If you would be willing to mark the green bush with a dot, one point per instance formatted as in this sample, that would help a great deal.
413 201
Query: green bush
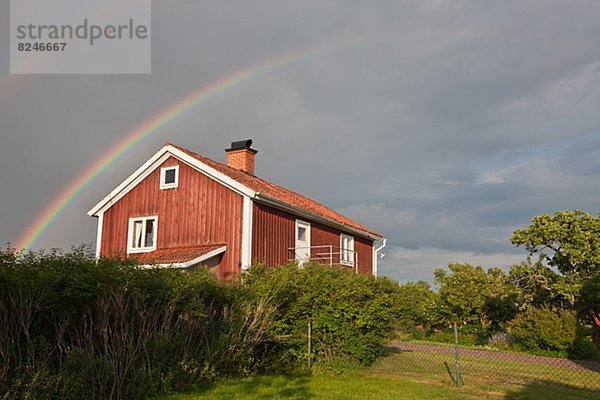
76 327
544 330
417 305
352 315
583 348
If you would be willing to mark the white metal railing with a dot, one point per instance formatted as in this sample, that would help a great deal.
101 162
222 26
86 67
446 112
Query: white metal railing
324 254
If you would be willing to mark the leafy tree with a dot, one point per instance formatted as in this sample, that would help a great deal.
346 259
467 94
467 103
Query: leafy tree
570 242
416 304
567 240
480 299
537 285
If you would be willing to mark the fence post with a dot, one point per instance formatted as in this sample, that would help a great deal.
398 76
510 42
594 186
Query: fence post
309 346
456 355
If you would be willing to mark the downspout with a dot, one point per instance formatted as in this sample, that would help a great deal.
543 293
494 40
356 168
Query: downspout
377 254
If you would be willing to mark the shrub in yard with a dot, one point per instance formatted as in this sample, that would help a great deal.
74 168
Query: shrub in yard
588 307
416 305
583 348
544 330
352 314
75 327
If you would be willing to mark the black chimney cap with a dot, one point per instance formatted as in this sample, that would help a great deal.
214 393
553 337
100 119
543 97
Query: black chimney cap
242 145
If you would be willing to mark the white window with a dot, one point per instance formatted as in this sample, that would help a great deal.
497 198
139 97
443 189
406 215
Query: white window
346 249
141 235
169 177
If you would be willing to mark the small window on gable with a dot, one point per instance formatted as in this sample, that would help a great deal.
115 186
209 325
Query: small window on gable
346 250
169 177
141 236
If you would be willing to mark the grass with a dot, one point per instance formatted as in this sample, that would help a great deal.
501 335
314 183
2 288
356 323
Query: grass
324 386
363 385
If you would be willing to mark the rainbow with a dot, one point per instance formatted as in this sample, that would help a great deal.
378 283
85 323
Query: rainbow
41 223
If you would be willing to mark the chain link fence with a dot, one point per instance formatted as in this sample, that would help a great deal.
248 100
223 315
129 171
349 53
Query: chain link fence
458 365
473 366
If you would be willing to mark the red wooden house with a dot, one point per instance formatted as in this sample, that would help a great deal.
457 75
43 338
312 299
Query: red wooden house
182 210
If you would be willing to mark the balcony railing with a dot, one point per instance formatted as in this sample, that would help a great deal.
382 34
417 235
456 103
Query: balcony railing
326 255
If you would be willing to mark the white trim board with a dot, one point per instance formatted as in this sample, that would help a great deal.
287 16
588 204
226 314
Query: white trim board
247 219
99 234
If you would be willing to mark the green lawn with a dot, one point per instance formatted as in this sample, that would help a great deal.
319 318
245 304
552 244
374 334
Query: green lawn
366 385
321 386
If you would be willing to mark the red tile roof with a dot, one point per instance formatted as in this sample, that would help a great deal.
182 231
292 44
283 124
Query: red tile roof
278 192
174 255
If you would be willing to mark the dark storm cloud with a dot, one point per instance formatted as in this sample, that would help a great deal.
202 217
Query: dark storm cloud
444 125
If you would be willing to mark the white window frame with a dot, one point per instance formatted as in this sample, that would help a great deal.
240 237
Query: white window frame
130 233
347 254
163 175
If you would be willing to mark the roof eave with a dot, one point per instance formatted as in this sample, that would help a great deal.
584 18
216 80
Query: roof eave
268 200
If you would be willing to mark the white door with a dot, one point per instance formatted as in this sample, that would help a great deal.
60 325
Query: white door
302 241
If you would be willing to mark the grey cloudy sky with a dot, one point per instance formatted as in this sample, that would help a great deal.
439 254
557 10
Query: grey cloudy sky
444 125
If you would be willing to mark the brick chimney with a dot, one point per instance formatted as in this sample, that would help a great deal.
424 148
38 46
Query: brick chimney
241 156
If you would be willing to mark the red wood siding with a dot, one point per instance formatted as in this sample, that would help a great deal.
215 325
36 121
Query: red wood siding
274 233
364 247
199 211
